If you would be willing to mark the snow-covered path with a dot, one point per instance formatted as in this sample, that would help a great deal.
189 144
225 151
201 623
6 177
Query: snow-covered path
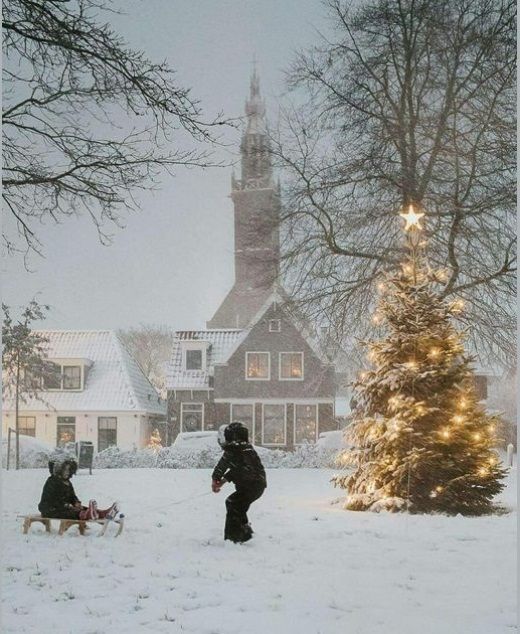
311 569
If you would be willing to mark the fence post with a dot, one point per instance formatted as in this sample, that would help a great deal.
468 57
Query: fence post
8 446
510 451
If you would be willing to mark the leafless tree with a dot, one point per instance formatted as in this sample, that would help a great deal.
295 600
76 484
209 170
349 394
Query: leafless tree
87 120
151 347
408 102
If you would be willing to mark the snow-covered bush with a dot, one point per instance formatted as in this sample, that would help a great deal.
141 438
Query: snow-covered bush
116 458
34 453
194 450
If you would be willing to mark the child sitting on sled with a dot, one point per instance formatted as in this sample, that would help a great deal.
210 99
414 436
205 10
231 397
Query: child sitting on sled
59 499
241 465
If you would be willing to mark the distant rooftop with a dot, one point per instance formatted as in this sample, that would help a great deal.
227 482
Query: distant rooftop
115 382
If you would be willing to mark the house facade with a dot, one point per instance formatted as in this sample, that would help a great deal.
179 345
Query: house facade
94 391
256 361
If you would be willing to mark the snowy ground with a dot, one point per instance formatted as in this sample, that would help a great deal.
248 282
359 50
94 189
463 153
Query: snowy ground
312 567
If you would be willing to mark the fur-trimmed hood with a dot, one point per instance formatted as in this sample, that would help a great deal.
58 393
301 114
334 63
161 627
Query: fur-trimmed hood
56 466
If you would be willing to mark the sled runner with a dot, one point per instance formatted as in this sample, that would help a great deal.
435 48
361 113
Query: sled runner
65 524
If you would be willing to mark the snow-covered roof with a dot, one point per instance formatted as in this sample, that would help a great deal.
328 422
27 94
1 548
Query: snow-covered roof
220 343
114 380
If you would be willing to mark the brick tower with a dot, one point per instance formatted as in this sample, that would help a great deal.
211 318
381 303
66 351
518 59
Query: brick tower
256 201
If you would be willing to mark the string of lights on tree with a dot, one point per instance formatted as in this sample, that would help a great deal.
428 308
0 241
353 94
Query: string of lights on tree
420 440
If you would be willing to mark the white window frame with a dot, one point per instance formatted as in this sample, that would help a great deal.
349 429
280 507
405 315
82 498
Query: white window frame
231 419
256 378
201 369
71 389
278 323
194 345
316 405
62 387
275 444
299 378
99 418
24 427
183 405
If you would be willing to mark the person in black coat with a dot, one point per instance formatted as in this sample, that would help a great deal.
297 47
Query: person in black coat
59 500
241 465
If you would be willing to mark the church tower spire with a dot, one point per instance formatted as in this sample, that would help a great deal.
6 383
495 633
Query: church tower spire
256 200
254 148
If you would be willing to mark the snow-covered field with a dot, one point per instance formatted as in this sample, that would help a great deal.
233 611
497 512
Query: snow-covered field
312 568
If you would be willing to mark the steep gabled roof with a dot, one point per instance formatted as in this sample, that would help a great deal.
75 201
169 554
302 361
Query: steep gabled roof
279 296
219 341
114 381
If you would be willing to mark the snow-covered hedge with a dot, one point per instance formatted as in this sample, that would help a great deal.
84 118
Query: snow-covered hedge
306 456
34 453
191 451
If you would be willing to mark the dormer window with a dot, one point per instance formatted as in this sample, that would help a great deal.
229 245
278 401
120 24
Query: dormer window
52 376
195 355
275 325
72 377
193 359
65 374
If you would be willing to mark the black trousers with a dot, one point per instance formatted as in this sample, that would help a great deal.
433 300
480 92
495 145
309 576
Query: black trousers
237 505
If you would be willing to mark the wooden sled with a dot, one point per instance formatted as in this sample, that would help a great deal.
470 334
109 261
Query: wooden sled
65 524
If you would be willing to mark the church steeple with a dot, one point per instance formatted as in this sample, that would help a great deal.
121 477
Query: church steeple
254 148
256 200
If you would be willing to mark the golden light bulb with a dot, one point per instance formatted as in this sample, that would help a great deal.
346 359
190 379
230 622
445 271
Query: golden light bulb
482 471
363 375
439 489
491 428
458 419
477 436
458 305
381 286
492 461
463 403
445 433
434 353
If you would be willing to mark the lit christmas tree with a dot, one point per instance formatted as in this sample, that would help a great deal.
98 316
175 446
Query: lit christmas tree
155 442
420 440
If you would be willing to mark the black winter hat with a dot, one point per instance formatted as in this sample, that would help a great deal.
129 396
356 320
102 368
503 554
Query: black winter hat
237 432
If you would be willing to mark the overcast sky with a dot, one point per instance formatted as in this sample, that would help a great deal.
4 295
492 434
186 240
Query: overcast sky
173 263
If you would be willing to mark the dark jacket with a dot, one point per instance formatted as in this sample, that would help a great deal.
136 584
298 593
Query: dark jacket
57 494
241 464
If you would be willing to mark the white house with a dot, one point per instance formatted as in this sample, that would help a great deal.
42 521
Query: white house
94 392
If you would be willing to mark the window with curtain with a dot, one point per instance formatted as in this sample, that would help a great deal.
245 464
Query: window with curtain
71 377
244 413
273 432
305 423
66 430
291 366
257 365
107 432
27 425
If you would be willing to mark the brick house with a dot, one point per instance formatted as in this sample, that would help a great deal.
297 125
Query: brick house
256 361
